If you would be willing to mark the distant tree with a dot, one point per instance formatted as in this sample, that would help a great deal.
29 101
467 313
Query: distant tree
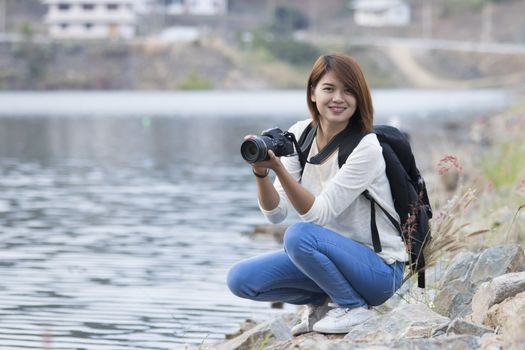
287 20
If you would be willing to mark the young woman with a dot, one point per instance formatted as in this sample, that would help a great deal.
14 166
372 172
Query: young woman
328 262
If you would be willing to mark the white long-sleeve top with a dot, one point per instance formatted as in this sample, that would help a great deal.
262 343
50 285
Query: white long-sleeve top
339 205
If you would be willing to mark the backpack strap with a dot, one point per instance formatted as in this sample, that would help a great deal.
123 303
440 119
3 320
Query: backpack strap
347 140
373 226
353 137
346 149
305 143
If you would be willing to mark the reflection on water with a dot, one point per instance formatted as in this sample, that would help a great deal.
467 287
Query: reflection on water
117 233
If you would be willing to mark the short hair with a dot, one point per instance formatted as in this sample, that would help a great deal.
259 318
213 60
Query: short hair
349 72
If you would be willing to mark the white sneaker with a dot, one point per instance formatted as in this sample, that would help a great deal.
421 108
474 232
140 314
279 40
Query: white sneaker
310 316
341 319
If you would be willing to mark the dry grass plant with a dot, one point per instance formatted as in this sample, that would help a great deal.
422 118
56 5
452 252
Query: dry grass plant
484 213
450 233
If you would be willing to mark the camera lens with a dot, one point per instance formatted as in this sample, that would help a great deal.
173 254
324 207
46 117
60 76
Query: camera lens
253 150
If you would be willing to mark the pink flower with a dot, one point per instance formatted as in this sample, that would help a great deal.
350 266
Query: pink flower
448 163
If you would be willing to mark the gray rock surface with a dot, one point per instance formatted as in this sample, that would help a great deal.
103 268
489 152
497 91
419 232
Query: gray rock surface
262 335
492 280
269 230
460 327
494 292
406 321
469 270
509 318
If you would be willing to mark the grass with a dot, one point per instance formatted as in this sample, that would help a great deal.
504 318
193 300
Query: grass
486 208
504 164
195 81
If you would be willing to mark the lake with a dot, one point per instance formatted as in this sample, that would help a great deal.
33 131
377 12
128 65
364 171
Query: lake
121 212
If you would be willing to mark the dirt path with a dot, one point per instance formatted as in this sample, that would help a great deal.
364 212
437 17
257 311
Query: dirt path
405 60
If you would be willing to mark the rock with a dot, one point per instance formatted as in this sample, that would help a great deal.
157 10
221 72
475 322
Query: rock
491 342
311 341
462 327
245 326
494 292
514 334
406 321
319 342
454 299
469 270
497 261
269 230
509 317
461 342
262 335
460 267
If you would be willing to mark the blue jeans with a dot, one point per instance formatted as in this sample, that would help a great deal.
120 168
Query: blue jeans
317 263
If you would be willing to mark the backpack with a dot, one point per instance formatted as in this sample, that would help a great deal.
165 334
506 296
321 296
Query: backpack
406 183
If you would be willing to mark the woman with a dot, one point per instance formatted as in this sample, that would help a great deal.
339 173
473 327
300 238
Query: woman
329 255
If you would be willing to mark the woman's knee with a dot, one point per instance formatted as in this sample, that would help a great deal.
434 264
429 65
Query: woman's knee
237 279
297 236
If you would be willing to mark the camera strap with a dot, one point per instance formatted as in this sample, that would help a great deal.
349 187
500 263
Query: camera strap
290 136
330 147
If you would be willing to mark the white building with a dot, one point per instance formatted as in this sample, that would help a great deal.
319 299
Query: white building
197 7
91 19
381 13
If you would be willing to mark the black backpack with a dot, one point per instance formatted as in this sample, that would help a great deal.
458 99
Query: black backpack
406 183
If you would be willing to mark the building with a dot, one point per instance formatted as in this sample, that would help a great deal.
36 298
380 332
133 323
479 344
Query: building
381 13
197 7
91 19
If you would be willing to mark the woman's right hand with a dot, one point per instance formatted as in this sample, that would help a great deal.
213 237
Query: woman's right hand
273 163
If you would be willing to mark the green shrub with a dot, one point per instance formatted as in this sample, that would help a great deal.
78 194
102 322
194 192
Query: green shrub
504 164
287 20
292 51
195 81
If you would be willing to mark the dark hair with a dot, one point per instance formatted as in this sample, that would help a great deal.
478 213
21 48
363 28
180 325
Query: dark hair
349 72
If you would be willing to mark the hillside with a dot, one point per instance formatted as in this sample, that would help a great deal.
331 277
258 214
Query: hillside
220 60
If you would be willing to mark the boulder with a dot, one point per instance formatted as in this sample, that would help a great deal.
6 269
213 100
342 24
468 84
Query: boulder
262 335
491 342
497 261
461 342
470 270
494 292
319 342
269 231
406 321
462 327
311 341
509 317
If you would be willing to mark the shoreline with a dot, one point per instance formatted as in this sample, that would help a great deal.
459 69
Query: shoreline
393 105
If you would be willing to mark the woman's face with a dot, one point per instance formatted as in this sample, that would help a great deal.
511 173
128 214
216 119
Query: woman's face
335 103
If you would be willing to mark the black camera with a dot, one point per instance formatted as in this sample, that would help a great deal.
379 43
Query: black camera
256 149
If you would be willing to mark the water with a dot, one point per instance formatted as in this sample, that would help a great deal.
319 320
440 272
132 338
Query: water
117 229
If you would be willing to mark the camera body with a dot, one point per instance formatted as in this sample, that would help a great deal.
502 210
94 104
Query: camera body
256 149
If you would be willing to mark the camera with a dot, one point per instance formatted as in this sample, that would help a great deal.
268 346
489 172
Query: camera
256 149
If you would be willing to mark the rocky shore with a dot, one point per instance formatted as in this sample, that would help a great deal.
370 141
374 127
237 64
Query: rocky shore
478 303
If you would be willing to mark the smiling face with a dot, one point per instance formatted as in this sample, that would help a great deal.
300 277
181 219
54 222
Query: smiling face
337 90
334 101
